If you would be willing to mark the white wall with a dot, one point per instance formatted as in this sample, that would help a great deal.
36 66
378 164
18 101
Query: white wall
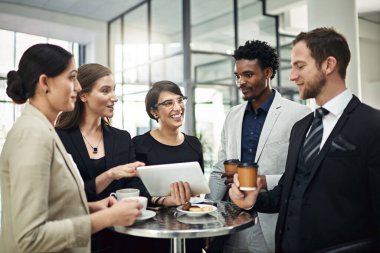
55 25
369 43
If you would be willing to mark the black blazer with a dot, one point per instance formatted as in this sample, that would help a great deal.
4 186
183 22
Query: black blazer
118 150
341 203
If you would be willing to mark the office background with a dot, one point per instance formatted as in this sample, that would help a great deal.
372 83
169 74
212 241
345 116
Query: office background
189 42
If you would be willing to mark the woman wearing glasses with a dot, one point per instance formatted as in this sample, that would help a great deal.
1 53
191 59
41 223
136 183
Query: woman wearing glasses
165 103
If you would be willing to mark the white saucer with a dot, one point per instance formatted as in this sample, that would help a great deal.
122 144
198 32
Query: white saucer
197 214
147 214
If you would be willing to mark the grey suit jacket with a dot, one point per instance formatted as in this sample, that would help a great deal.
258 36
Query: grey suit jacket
271 150
44 207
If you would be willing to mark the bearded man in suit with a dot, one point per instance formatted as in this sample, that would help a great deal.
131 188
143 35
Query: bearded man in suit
257 130
328 197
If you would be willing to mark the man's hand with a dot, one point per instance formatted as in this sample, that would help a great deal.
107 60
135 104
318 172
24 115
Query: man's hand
263 180
244 199
229 177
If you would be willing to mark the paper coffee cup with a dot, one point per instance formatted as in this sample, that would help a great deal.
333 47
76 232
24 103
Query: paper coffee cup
125 193
231 165
247 175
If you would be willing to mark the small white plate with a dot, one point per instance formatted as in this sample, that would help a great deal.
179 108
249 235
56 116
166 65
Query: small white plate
197 214
147 214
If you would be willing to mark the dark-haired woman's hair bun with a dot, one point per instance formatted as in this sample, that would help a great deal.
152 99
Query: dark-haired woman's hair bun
15 89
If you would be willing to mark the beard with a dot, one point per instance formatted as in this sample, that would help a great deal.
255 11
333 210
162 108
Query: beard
313 89
254 97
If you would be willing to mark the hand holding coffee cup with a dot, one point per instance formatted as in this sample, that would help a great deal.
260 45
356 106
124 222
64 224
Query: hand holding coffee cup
143 201
247 175
125 193
125 212
243 199
230 168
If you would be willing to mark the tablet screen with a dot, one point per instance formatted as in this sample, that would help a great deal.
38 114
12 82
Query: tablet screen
157 178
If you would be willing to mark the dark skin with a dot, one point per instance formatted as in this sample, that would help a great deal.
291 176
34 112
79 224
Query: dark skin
251 80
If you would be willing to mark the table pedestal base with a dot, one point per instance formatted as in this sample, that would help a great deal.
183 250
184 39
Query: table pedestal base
178 245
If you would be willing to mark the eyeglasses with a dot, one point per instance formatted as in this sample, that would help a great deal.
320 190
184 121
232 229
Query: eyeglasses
169 104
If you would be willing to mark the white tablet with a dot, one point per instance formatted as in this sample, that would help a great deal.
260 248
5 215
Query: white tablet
157 178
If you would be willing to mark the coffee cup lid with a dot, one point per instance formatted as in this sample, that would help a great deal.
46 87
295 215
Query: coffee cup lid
231 161
248 165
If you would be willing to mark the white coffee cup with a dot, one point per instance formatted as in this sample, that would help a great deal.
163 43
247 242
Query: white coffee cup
125 193
142 200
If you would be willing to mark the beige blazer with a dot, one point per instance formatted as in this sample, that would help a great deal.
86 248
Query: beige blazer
44 207
271 152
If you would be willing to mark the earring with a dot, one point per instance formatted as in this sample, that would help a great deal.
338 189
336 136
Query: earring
267 81
47 91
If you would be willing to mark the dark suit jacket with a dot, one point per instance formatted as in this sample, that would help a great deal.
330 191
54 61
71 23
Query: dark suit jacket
341 203
118 150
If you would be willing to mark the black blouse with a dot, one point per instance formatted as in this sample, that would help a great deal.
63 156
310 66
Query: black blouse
152 152
118 150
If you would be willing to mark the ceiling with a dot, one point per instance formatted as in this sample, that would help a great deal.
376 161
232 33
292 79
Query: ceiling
109 9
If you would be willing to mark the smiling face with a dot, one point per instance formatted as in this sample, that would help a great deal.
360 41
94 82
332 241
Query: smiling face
251 79
63 89
170 110
305 73
102 98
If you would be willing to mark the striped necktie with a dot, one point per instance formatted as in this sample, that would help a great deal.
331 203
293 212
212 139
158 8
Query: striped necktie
313 140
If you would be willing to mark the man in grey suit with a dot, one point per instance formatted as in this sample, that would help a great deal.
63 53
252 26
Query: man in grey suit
256 131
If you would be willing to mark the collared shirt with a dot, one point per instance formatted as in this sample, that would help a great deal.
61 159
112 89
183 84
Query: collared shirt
336 107
253 123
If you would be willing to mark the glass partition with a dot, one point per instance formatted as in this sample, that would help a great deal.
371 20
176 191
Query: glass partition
168 69
153 50
15 45
212 31
166 28
7 61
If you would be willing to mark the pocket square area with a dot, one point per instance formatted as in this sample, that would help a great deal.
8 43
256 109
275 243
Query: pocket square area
342 144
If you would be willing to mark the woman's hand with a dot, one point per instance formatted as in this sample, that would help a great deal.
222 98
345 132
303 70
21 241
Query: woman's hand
117 213
125 170
179 194
125 212
101 204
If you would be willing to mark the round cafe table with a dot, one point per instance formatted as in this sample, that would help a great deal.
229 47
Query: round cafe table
170 223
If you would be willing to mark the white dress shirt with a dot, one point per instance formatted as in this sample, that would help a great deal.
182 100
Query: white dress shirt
336 107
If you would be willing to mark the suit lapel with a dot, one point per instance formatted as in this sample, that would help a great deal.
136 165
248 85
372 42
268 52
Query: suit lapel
295 146
29 109
109 141
69 162
336 130
236 133
77 139
273 113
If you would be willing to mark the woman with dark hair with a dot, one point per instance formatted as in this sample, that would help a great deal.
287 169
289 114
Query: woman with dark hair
104 155
165 103
44 206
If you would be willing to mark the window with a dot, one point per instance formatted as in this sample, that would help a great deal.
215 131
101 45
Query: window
15 45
